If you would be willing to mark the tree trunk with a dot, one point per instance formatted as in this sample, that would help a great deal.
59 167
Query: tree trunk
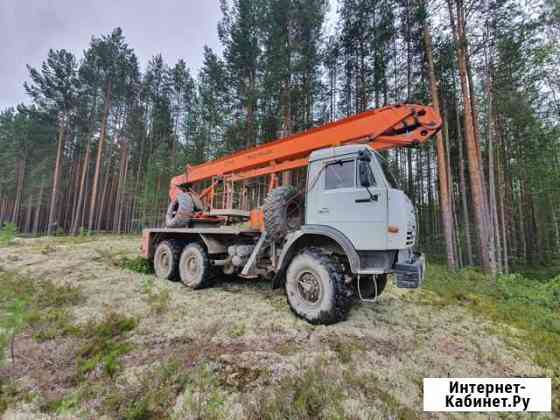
477 190
99 155
446 214
56 176
463 184
79 206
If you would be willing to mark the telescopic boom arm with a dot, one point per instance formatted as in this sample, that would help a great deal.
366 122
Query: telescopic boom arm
383 129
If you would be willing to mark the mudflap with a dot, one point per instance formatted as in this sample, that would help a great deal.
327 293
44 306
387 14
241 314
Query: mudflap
410 275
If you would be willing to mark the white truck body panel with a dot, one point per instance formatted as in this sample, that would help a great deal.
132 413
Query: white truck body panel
348 208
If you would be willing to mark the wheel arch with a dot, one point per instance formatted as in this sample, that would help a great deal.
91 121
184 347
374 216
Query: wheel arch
315 235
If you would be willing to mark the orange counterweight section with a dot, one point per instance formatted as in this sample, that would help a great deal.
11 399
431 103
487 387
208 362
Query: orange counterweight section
383 128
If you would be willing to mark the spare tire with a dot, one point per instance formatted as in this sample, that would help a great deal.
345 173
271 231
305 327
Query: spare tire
283 211
180 211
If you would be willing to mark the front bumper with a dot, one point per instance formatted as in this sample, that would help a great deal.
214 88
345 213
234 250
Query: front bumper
410 274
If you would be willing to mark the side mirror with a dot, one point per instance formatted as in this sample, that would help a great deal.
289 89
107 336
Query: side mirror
363 172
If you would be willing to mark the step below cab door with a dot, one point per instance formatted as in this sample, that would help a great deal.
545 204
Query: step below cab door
335 198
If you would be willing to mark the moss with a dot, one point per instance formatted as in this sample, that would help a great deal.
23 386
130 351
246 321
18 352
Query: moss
345 347
530 305
238 330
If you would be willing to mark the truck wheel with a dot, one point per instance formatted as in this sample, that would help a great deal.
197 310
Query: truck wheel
194 267
179 211
316 290
282 212
166 260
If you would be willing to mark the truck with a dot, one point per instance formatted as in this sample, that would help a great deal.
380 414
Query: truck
329 239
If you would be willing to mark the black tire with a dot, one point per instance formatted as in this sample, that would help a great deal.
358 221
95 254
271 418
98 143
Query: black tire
194 267
278 217
316 289
180 211
367 287
166 260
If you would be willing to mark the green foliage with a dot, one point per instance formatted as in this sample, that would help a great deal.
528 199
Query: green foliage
371 385
531 306
40 305
158 390
8 394
7 233
310 395
158 300
202 395
137 264
12 322
345 347
105 343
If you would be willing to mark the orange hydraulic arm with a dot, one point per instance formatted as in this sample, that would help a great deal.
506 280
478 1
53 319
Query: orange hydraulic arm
383 128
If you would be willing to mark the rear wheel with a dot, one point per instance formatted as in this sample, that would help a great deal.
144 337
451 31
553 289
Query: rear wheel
194 267
315 288
166 260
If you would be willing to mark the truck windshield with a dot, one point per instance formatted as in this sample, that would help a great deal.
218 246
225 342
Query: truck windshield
388 171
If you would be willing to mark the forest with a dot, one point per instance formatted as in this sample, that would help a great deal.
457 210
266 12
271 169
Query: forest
96 145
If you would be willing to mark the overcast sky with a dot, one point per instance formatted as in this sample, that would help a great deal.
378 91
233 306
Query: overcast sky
28 28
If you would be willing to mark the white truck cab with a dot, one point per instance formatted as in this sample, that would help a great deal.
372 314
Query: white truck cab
348 190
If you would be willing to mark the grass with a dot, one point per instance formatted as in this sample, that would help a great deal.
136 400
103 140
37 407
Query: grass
7 234
105 343
40 305
137 264
42 309
345 347
530 305
158 300
370 385
156 394
310 395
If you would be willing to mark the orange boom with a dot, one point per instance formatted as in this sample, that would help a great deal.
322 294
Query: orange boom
383 128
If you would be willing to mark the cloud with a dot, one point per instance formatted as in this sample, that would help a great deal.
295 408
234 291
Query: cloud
29 28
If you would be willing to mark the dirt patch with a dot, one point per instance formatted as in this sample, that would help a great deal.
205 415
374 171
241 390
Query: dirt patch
46 368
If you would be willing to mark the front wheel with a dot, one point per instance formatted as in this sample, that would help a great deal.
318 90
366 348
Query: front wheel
194 266
316 289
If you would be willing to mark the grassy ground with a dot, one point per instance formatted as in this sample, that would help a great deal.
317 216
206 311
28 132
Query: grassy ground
93 333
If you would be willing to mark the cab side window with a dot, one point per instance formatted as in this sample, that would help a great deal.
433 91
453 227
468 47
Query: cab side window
340 174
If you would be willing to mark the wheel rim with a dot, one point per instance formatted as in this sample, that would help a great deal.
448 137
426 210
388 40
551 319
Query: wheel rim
191 268
309 288
163 262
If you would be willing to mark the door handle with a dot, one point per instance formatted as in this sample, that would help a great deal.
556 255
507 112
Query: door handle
374 197
323 210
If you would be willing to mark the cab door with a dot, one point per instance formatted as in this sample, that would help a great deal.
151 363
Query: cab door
338 201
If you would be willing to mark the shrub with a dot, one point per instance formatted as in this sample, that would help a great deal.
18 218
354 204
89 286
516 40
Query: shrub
7 233
138 264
